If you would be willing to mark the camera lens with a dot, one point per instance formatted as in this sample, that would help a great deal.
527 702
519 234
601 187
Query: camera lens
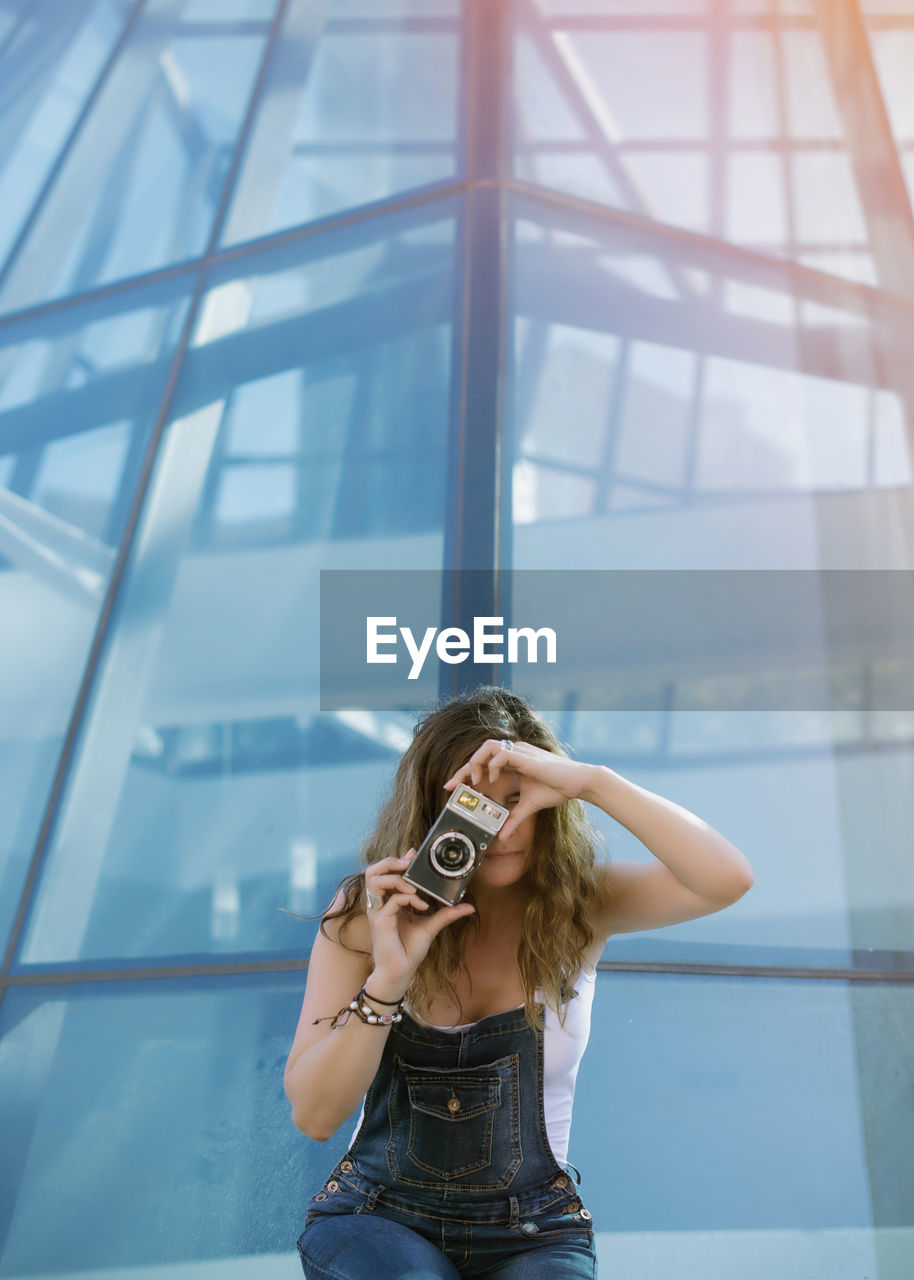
452 854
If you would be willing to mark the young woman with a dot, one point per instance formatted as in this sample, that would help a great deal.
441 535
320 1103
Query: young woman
461 1029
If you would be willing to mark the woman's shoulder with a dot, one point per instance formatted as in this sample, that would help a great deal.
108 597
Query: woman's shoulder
347 928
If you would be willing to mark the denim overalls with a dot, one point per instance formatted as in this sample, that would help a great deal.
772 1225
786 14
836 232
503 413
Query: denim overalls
452 1145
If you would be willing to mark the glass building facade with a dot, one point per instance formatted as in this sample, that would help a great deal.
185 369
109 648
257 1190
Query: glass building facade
289 285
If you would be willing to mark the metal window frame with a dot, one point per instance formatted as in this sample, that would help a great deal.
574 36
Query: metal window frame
478 525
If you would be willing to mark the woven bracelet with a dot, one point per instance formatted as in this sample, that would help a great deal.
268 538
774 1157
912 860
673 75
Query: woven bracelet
363 1012
367 1014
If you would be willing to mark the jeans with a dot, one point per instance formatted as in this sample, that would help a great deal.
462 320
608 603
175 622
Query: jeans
355 1243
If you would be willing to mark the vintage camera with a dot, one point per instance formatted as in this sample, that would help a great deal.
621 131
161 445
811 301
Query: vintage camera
456 845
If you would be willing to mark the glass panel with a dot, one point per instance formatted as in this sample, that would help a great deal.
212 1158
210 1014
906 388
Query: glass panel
228 10
879 8
11 13
142 182
670 8
48 68
171 1095
78 398
699 396
820 803
746 142
715 416
309 431
400 8
358 110
764 1137
892 44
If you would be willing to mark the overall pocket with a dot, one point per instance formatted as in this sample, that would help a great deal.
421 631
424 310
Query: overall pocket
455 1126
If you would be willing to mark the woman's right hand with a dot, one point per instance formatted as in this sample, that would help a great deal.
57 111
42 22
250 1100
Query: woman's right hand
400 940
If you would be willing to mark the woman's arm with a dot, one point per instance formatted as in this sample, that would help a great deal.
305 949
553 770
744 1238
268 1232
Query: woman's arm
697 870
329 1068
328 1071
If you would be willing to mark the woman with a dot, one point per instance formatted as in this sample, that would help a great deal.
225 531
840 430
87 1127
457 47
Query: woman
462 1028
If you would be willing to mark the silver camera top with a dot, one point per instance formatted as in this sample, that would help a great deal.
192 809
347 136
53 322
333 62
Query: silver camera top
478 808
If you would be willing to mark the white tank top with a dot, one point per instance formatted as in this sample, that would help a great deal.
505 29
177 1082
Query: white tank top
563 1048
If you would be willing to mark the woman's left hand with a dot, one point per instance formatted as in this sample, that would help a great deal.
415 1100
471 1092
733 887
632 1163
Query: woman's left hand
545 779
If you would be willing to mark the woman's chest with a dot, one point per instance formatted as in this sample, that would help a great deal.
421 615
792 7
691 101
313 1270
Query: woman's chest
490 984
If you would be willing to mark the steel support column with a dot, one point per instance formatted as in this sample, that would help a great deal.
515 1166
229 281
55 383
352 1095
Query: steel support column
470 583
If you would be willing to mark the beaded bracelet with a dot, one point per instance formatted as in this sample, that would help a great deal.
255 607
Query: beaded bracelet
367 1014
364 1012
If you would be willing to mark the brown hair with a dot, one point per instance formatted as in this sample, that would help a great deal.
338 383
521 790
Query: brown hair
555 930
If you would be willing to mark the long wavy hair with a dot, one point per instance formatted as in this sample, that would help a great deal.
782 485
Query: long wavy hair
560 881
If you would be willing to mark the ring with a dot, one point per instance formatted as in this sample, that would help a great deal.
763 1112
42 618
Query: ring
506 744
374 902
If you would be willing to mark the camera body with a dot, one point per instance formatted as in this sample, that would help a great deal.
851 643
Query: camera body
452 851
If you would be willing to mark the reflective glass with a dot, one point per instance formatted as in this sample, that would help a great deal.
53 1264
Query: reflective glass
152 1118
671 401
892 44
768 1141
668 8
141 182
765 8
11 12
698 394
828 841
228 10
718 119
398 9
355 110
49 64
309 431
715 417
78 398
747 1126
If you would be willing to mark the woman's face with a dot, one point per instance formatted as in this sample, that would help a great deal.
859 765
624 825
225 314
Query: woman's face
505 863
